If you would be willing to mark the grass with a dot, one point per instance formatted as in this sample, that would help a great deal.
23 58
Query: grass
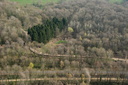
115 1
61 41
24 2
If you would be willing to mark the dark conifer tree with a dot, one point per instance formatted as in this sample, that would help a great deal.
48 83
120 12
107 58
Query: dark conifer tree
47 30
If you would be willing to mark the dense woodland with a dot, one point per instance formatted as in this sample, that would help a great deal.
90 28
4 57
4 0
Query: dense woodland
85 28
97 24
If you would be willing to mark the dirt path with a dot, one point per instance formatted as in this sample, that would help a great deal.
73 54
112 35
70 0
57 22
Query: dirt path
40 53
120 59
60 79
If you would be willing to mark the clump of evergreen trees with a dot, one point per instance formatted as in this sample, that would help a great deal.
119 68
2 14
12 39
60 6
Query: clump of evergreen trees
47 30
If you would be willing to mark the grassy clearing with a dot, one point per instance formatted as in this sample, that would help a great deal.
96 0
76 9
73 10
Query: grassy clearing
23 2
61 41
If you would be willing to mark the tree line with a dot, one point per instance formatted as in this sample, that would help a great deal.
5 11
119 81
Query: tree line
42 33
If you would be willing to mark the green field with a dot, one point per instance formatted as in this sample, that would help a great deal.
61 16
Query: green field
23 2
115 1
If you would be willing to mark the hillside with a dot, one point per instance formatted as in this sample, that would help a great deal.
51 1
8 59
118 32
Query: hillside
61 38
98 27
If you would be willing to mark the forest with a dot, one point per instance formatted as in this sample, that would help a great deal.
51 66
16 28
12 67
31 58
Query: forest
48 30
69 41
